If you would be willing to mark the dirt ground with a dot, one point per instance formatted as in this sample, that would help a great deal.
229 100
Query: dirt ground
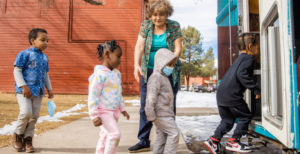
10 110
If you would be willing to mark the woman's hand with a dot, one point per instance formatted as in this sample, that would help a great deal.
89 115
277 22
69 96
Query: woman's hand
139 50
125 114
137 72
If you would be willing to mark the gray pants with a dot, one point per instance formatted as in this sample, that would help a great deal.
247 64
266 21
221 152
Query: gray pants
167 136
29 114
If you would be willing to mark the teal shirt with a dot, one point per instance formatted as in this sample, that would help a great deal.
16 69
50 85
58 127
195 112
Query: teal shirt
173 32
158 42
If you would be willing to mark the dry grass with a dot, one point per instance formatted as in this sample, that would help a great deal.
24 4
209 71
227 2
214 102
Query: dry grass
10 111
131 97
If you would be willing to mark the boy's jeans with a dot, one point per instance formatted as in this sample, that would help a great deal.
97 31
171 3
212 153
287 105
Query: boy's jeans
29 114
110 132
167 136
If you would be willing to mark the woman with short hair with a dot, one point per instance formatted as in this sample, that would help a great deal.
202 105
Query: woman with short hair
156 33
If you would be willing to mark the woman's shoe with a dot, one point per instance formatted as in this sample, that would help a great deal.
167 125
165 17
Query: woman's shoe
139 148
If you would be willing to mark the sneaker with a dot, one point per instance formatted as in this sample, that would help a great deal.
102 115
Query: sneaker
139 148
212 145
236 146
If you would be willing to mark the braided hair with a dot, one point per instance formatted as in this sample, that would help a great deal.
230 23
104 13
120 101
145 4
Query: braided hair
247 38
108 45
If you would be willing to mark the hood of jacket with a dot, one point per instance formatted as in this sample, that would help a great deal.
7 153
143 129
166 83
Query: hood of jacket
100 69
162 58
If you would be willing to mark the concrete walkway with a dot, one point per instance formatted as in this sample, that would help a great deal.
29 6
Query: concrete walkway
80 137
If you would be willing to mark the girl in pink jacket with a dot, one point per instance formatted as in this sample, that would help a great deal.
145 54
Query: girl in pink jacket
105 101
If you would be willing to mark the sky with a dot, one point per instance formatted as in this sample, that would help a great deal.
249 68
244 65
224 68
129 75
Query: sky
200 14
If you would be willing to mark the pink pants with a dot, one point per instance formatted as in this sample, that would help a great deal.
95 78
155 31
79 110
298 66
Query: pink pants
110 132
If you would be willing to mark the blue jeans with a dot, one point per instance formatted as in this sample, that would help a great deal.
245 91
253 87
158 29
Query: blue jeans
145 126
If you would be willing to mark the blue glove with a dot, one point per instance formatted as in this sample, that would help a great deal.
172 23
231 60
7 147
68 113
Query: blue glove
51 108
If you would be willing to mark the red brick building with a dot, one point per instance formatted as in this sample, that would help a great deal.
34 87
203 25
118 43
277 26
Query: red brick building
204 81
75 27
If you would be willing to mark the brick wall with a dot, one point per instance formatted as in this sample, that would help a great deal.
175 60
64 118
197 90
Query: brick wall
74 28
198 80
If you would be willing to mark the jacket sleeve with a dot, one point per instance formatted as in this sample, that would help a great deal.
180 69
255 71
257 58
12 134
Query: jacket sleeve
47 82
19 77
177 30
153 87
142 29
245 76
122 103
96 83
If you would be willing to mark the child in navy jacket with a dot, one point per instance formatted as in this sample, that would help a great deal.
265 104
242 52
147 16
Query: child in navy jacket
231 104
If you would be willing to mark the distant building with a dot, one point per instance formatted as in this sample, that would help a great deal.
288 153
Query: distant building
75 28
204 81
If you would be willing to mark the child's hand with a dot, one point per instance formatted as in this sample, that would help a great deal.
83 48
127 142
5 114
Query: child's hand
97 122
125 114
50 94
26 91
257 96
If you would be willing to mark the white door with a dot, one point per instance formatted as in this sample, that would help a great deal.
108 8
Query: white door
275 69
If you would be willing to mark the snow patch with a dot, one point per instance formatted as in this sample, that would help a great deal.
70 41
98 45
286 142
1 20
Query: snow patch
133 102
9 128
186 99
198 128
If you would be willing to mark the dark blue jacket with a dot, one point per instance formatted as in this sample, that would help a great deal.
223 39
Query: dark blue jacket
237 79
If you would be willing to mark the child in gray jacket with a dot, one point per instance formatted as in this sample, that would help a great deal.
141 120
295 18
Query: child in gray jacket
159 103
